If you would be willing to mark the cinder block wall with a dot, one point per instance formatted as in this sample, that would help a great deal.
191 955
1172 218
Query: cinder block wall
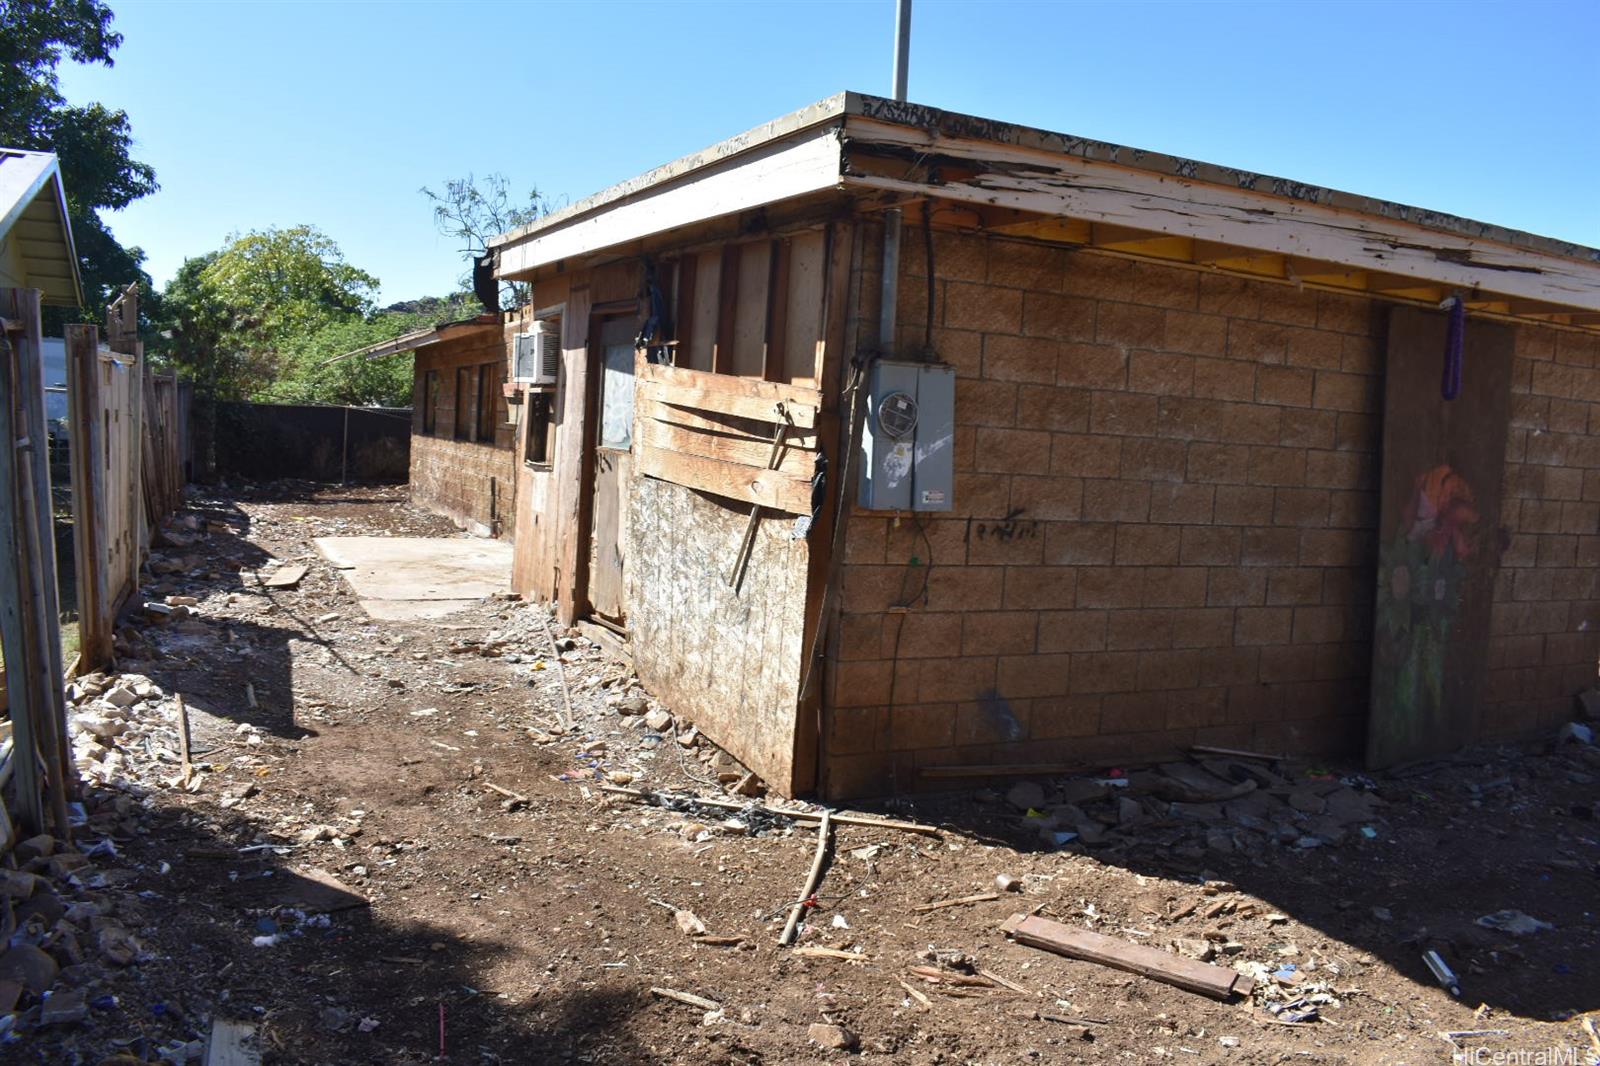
1546 616
471 482
1165 526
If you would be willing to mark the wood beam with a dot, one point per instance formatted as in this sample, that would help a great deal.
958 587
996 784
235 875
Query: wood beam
1054 183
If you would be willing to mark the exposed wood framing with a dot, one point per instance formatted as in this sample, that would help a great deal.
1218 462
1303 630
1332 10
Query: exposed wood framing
1164 216
90 538
32 637
571 445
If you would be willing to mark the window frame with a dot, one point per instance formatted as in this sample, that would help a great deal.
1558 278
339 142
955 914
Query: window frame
485 418
463 420
430 402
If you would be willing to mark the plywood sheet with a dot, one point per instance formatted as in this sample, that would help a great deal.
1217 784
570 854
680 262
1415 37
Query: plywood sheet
1438 539
727 660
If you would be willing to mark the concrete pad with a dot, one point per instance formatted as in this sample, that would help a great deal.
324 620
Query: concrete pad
401 579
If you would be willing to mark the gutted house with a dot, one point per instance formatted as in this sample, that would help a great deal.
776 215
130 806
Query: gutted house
901 444
462 462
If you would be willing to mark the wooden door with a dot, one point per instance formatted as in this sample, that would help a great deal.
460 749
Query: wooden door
612 465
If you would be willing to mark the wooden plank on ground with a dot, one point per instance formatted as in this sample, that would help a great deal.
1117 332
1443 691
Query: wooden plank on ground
1217 982
232 1044
286 577
773 489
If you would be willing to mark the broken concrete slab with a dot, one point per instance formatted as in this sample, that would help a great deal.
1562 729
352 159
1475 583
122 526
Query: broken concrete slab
419 578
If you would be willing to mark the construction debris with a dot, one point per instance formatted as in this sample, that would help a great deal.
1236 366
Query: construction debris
1214 981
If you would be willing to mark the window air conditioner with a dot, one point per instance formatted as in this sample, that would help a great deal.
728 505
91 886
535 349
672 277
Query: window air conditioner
539 353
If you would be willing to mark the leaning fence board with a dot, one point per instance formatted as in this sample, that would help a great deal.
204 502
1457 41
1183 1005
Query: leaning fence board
1204 978
772 489
13 629
89 497
29 611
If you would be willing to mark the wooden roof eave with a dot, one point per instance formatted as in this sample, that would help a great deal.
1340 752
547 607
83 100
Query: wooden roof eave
798 165
37 215
1174 217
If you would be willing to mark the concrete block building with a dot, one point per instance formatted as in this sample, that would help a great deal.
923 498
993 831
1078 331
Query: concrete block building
1228 459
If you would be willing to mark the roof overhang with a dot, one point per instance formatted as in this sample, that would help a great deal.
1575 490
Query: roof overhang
35 231
422 338
1055 187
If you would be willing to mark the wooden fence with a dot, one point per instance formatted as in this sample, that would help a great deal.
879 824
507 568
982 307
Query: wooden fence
128 473
37 759
126 427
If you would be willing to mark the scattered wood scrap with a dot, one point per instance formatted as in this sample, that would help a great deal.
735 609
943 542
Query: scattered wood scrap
1006 982
686 998
813 878
914 994
668 800
811 952
183 737
935 976
1217 982
286 577
232 1044
961 901
513 799
1234 753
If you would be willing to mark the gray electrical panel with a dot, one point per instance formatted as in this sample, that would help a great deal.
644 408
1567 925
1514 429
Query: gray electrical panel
908 447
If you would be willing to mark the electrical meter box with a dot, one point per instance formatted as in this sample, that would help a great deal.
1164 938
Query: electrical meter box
908 446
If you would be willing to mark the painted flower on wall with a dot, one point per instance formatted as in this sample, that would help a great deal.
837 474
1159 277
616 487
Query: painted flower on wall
1441 514
1421 573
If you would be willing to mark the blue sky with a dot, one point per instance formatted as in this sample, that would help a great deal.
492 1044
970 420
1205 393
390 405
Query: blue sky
335 114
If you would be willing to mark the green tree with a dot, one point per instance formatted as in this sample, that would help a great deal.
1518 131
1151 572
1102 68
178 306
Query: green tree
312 371
233 318
92 141
473 211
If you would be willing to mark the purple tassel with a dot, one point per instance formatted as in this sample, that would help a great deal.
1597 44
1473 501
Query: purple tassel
1455 342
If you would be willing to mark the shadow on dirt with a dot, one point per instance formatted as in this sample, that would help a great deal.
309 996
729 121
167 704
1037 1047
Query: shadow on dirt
1487 831
324 979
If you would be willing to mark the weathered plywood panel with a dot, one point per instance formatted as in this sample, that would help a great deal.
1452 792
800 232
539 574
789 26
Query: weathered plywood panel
728 661
1443 465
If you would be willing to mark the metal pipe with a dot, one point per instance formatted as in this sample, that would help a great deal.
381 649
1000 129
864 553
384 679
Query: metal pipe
890 292
902 46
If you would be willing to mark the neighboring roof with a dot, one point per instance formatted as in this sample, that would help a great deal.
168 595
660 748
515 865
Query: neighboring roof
36 247
900 150
421 338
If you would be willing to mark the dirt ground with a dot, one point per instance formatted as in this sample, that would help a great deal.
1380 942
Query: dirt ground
498 931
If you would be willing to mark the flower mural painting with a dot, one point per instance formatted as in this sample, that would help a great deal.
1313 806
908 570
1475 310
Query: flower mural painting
1421 571
1441 513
